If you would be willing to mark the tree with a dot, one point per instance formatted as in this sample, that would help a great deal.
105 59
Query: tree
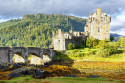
71 46
122 42
111 38
91 42
101 43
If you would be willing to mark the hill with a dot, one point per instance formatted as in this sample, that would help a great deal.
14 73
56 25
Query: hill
36 30
116 36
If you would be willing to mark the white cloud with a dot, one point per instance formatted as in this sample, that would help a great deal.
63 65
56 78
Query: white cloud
120 32
4 20
118 23
82 8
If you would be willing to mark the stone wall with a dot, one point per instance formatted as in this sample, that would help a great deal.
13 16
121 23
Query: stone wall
4 53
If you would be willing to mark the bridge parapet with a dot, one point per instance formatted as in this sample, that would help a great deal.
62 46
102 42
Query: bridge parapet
7 53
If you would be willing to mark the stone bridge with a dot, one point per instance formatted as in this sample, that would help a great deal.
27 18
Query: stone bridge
7 53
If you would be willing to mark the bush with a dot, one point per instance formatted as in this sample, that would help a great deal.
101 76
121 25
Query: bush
122 42
80 46
103 52
71 46
108 49
93 52
74 51
91 42
101 43
61 56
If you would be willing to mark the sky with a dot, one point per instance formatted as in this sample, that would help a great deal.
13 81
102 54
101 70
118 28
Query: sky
10 9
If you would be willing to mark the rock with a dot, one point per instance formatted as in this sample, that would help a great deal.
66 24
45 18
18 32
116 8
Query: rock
93 76
4 66
17 65
35 72
14 66
40 73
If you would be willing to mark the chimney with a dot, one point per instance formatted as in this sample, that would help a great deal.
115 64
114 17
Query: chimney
98 12
59 30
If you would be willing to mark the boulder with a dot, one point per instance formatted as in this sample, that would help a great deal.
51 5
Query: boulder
34 72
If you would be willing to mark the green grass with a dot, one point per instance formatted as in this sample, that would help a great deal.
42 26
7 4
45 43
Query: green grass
18 80
85 50
88 54
29 79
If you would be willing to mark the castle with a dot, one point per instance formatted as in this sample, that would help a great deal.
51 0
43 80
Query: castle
97 25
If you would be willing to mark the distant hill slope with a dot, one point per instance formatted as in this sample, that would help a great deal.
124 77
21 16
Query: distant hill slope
36 30
116 36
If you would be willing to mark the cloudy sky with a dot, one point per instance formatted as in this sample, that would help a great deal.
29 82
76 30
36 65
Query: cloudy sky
115 8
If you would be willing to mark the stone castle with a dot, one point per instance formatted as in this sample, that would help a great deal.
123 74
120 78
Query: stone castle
97 25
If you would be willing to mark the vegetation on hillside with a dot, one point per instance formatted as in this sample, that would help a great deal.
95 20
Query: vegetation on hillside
36 30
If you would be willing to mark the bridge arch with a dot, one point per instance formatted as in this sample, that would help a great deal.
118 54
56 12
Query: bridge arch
34 58
18 58
46 58
17 54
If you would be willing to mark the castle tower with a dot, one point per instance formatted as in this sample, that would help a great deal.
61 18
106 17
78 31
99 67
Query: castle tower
98 25
59 40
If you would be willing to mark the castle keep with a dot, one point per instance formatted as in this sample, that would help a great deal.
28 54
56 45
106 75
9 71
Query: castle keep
97 25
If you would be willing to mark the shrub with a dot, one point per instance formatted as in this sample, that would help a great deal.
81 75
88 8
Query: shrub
107 49
80 46
74 51
122 42
93 52
103 52
91 42
101 43
71 46
61 56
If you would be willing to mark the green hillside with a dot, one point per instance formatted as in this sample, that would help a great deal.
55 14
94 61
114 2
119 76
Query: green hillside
36 30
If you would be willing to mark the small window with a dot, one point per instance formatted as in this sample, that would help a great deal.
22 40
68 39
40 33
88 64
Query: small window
98 29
